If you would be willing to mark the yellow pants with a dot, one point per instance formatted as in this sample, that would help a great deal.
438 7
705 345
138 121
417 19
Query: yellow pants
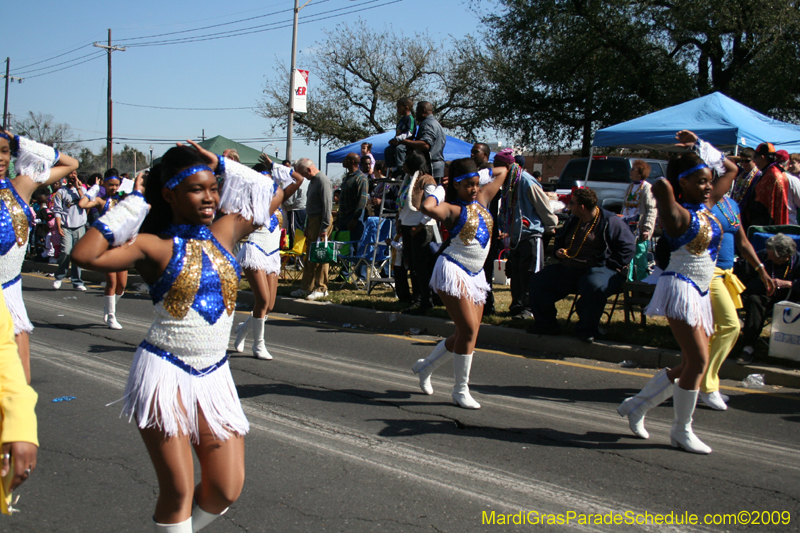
726 329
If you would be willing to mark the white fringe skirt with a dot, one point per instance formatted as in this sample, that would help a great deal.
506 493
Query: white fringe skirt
253 257
679 299
12 292
450 278
165 393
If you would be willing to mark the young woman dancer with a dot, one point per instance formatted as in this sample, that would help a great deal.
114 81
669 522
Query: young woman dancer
260 260
458 274
180 388
684 202
115 281
36 165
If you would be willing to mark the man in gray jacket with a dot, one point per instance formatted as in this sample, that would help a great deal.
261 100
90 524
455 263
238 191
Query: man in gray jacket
319 204
71 224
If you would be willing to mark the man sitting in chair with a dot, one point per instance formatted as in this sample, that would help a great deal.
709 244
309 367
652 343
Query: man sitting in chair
593 248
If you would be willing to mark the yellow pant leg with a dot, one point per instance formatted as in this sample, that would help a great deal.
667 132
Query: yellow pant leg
726 331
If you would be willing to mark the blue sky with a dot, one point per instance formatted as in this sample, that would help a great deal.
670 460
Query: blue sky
228 72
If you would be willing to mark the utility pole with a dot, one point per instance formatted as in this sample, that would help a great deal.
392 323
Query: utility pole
5 105
290 126
110 132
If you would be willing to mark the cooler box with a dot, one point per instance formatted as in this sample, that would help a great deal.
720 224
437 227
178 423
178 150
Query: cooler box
784 340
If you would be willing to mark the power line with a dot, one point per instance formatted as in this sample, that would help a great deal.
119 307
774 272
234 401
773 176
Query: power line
24 72
97 56
188 108
55 57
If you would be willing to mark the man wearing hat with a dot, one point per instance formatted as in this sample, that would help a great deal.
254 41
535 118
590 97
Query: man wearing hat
525 216
766 203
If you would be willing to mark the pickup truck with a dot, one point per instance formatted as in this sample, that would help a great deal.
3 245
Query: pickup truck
609 177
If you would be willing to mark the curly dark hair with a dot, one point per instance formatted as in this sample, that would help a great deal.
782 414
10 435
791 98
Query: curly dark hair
175 160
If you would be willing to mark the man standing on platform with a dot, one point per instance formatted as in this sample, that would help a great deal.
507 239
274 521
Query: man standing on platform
430 138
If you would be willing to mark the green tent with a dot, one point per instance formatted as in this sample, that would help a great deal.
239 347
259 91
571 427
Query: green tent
247 156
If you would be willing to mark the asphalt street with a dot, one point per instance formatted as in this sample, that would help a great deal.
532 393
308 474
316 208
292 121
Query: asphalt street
342 439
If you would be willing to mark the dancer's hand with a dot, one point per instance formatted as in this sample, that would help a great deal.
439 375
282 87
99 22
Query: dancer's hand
210 158
139 184
266 161
686 139
24 455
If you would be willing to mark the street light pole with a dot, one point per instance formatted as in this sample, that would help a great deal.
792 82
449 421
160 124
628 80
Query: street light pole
290 125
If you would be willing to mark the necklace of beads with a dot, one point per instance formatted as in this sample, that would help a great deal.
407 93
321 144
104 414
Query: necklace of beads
594 222
508 195
789 265
736 221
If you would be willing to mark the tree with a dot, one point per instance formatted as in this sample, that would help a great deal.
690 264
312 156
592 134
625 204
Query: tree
128 160
361 74
550 72
42 127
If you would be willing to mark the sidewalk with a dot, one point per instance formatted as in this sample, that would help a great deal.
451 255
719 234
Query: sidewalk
490 336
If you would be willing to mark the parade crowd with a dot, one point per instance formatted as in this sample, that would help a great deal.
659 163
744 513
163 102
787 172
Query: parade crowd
196 221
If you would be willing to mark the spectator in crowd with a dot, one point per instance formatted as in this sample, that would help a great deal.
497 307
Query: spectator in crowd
18 430
537 176
747 171
286 163
593 248
430 138
95 178
353 199
793 179
525 216
480 155
639 212
378 201
417 228
765 201
395 154
295 213
319 205
366 151
782 263
71 224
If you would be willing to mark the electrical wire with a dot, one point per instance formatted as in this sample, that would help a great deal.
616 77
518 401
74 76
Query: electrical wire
100 54
58 65
187 108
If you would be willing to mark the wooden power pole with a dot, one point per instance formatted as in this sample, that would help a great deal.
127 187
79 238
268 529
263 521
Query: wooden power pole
110 112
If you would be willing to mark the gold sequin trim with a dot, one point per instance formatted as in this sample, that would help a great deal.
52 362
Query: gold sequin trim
280 217
470 229
181 295
699 244
18 218
227 275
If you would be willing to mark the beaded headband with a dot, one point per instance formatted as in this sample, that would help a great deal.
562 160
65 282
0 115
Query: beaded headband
692 170
465 177
5 136
114 178
175 180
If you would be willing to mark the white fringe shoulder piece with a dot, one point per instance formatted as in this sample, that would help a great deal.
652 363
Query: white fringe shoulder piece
121 223
35 160
249 193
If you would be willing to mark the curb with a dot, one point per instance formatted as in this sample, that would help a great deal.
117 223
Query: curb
489 336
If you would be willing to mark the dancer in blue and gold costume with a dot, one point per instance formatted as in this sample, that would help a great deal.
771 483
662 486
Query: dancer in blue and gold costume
694 234
180 388
260 259
36 165
458 274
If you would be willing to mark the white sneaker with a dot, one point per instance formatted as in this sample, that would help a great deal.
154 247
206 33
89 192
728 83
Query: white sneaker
725 397
713 400
299 293
57 284
316 295
81 288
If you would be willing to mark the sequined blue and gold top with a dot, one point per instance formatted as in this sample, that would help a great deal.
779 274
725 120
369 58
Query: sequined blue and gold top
694 253
16 221
470 237
268 238
194 298
111 201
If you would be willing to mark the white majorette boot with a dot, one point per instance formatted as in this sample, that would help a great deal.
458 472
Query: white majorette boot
658 389
241 334
461 367
109 313
201 518
681 434
259 348
182 527
425 367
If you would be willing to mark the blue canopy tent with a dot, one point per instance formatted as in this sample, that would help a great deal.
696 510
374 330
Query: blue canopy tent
453 148
716 118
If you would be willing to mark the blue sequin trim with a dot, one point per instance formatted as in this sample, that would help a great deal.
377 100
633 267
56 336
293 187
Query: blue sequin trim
8 237
465 269
220 165
175 360
175 180
11 282
692 170
260 249
105 230
463 177
686 279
